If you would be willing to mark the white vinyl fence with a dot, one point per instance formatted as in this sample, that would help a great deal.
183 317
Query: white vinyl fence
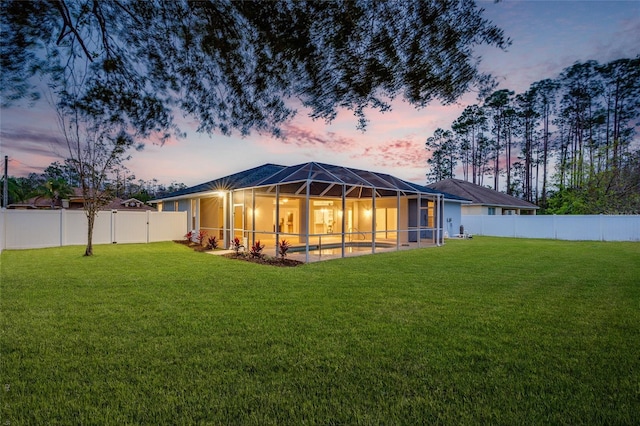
22 229
570 227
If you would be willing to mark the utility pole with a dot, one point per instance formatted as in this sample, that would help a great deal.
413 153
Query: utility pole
5 187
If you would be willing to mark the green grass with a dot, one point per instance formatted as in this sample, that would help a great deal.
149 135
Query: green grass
489 330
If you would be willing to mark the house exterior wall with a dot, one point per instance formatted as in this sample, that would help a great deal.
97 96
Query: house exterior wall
530 212
265 213
363 217
208 209
212 216
473 210
290 215
386 218
452 218
185 206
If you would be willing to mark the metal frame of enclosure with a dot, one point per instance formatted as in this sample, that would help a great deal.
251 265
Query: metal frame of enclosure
322 210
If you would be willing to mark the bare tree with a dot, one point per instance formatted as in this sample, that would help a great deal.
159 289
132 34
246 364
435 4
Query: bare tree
97 138
95 150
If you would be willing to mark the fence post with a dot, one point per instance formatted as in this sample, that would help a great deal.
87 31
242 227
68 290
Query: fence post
3 228
113 226
148 225
63 228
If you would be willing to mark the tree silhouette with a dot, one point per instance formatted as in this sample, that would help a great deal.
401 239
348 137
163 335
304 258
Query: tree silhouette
241 66
584 121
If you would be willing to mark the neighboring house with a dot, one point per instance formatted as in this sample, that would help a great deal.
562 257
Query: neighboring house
318 208
75 202
41 203
131 204
484 201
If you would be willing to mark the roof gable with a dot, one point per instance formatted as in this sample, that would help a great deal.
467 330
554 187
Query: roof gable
479 194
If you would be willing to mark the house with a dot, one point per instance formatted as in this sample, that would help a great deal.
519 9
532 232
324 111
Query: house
320 209
484 201
131 204
76 202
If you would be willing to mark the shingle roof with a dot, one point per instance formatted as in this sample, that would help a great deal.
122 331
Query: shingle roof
244 179
479 194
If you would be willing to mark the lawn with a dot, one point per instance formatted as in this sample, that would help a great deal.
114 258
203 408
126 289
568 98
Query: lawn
489 330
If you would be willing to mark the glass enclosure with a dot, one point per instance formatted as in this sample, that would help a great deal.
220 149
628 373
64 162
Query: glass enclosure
321 219
321 210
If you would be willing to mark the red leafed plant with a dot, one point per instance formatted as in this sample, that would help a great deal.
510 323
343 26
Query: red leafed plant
200 236
212 243
283 247
188 236
256 249
237 245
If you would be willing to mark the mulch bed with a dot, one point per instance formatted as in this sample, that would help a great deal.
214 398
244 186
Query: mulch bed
263 260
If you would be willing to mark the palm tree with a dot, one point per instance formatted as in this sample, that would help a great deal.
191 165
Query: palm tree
18 189
55 190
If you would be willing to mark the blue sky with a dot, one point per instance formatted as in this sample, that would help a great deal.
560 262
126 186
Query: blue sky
547 37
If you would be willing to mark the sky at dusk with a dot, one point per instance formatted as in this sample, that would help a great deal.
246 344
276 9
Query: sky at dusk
547 36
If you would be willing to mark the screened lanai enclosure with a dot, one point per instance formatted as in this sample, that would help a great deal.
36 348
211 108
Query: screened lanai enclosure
322 210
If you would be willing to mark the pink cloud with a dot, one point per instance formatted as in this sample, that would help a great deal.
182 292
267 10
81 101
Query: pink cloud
313 138
401 153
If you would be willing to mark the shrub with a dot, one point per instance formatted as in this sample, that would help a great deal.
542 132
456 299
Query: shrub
237 245
200 236
256 249
212 243
283 247
189 236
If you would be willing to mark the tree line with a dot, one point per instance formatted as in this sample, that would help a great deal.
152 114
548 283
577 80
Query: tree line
58 181
566 144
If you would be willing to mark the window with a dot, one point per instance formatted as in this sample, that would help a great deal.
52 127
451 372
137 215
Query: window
492 211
